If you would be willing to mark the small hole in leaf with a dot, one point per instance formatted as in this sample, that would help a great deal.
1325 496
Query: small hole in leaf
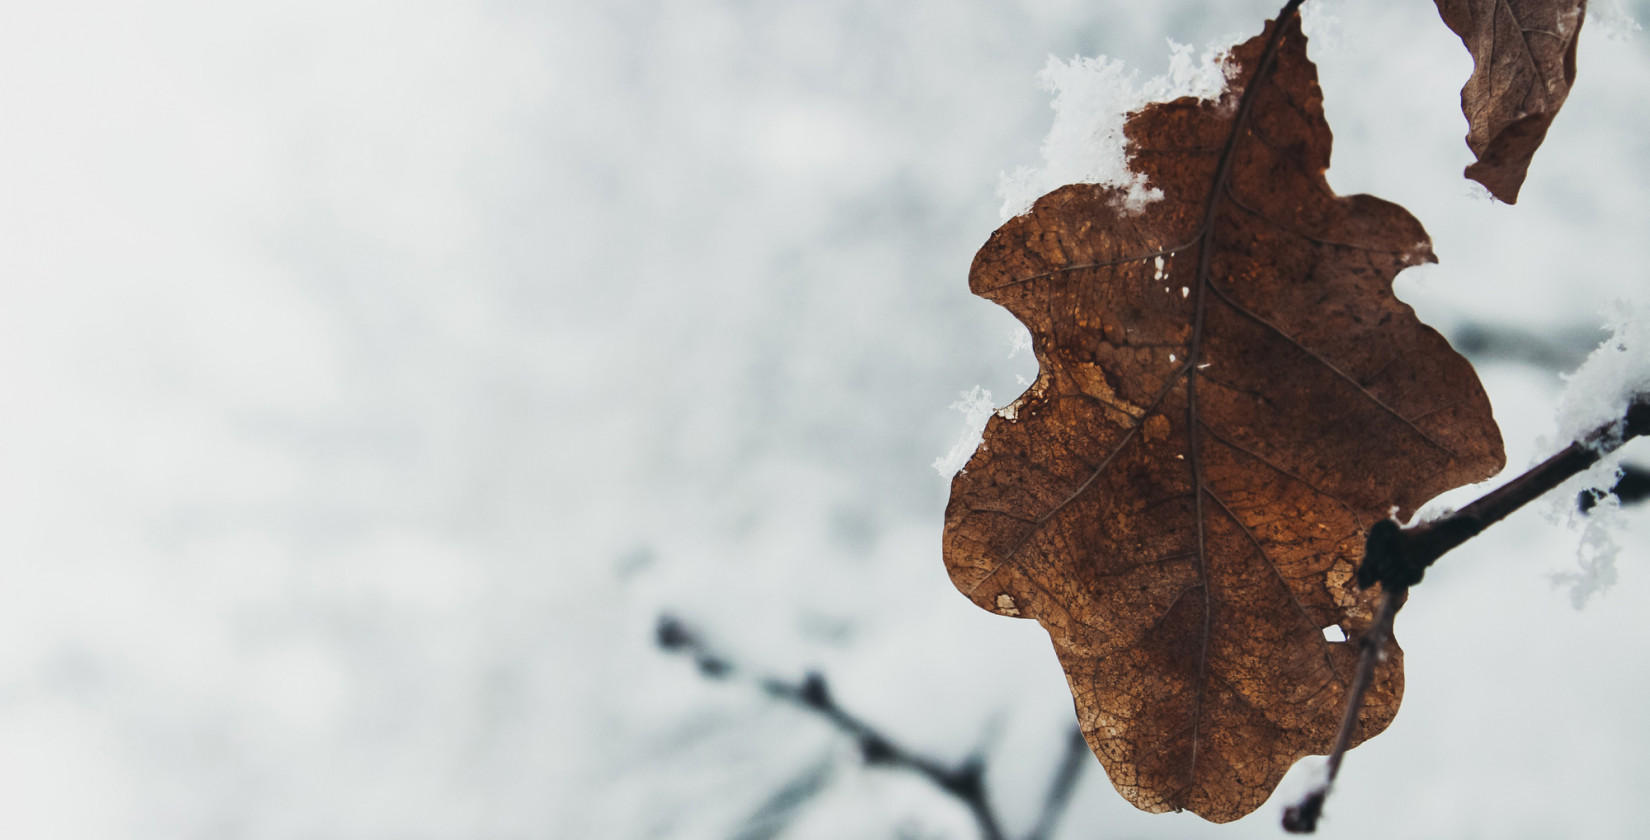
1334 633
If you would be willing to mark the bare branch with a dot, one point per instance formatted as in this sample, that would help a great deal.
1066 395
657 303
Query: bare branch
1399 556
964 781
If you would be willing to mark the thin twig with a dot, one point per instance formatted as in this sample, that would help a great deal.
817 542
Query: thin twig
1302 817
1396 557
964 781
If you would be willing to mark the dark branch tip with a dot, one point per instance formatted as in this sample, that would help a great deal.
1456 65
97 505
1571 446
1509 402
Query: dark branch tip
1302 817
671 634
814 693
1638 417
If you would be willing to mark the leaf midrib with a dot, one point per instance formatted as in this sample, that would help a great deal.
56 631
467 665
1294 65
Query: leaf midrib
1194 356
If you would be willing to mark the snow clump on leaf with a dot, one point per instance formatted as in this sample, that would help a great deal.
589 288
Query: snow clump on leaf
1092 97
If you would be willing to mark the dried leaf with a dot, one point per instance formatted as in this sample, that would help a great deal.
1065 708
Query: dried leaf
1229 395
1524 61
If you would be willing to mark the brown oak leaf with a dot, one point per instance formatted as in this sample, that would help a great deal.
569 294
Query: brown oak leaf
1229 396
1524 61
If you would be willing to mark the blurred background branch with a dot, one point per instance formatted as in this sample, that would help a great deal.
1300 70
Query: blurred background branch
965 781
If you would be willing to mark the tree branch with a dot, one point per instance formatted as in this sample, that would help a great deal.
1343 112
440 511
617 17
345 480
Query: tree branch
965 781
1397 557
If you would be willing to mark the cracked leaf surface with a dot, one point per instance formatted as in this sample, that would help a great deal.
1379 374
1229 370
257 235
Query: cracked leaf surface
1180 498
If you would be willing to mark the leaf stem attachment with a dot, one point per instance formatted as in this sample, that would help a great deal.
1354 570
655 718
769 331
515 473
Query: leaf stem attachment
1397 557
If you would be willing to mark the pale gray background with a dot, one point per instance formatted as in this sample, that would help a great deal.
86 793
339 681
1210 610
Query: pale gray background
373 373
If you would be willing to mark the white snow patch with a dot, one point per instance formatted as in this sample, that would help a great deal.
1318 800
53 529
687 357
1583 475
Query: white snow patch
1597 549
1321 23
1596 397
976 407
1019 342
1618 370
1092 99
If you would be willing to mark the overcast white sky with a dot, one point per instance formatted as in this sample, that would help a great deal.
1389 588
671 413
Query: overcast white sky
373 373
